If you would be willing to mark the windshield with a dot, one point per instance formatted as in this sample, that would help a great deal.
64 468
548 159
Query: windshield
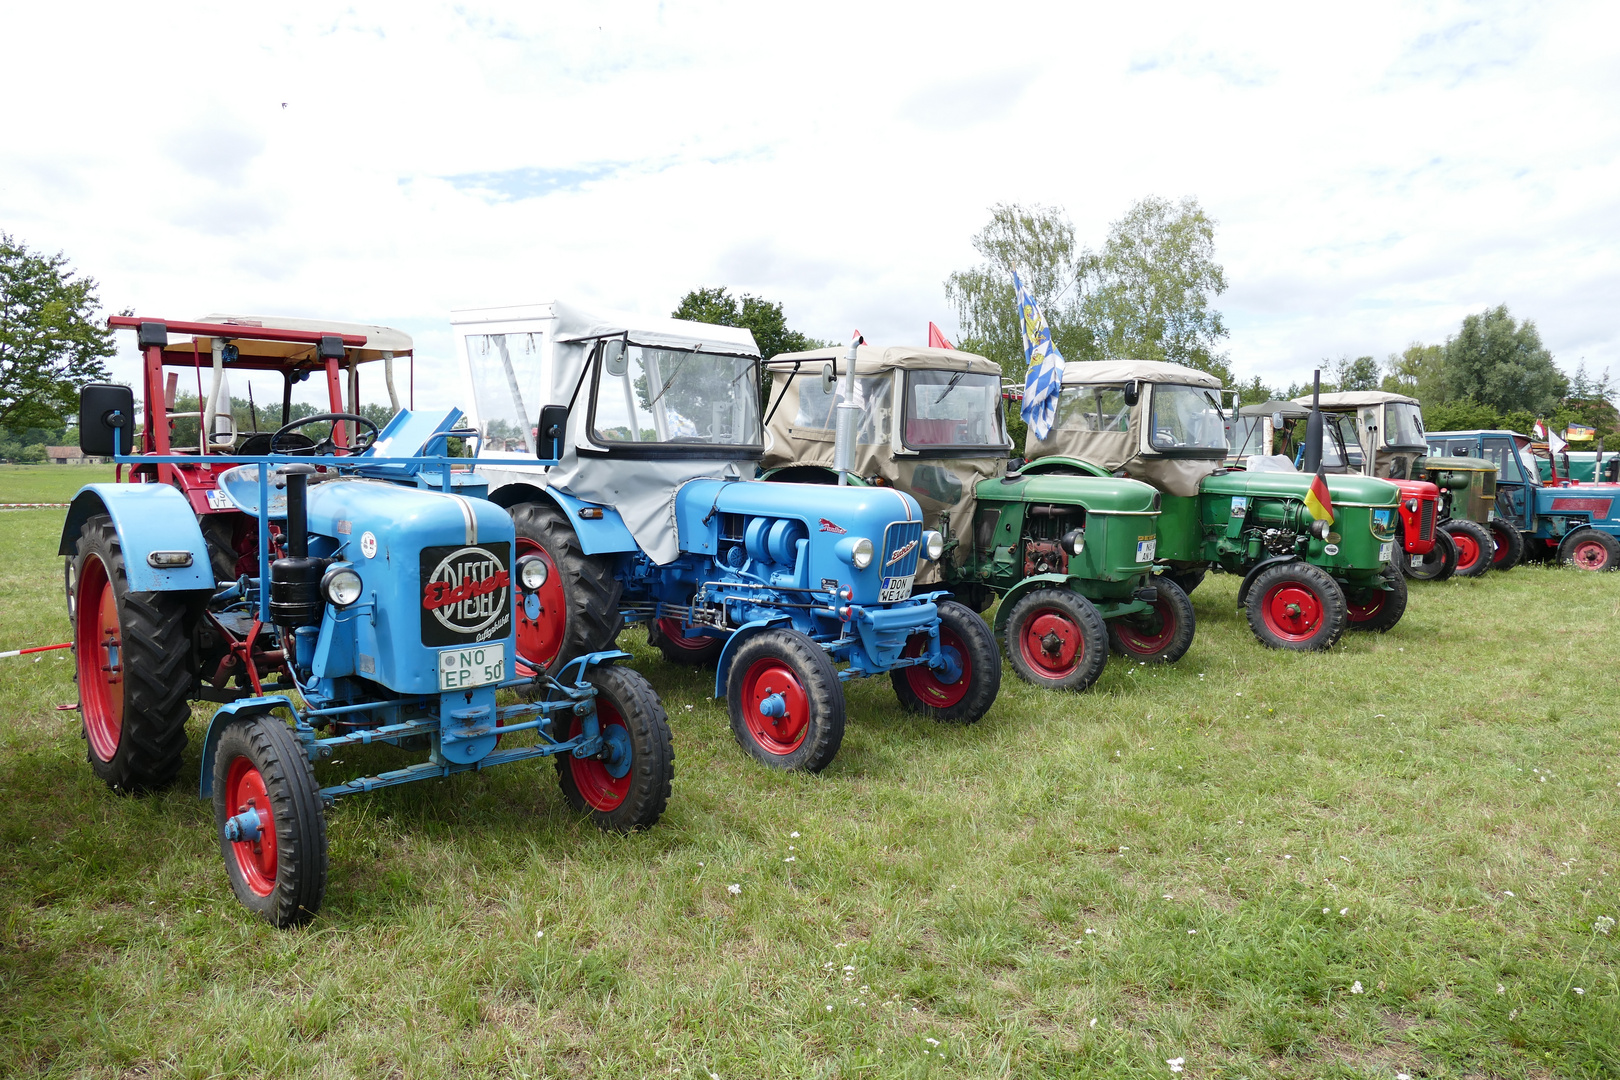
817 407
1403 426
1092 408
1248 437
651 397
1339 439
1186 418
953 410
505 372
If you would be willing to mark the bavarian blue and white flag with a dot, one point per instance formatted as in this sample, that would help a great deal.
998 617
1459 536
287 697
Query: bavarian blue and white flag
1045 376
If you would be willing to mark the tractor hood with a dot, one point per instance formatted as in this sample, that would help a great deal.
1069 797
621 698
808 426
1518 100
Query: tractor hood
1350 490
1099 495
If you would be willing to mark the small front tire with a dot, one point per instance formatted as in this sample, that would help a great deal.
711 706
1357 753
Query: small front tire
971 648
1439 564
1474 547
1056 639
1376 610
1296 606
1589 549
1508 545
786 704
636 746
1162 636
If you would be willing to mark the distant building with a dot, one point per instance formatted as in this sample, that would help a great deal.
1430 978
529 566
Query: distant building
71 455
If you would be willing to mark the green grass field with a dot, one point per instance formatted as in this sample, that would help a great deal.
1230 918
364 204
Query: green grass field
48 483
1392 858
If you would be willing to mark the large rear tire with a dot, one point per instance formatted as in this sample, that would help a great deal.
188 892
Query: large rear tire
669 637
1439 564
1056 639
1508 545
1296 606
626 787
134 664
1374 609
578 610
971 648
787 706
1474 547
1162 636
1589 549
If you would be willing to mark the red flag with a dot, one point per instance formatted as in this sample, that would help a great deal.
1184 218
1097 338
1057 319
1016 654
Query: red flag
936 340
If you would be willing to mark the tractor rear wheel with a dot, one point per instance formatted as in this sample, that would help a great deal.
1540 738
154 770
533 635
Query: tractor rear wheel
1508 545
1589 549
1374 609
1474 547
1296 606
578 609
1163 635
1056 639
272 826
1439 564
973 669
787 706
669 637
626 786
134 663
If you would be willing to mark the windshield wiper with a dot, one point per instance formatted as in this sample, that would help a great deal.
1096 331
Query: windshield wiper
669 382
950 386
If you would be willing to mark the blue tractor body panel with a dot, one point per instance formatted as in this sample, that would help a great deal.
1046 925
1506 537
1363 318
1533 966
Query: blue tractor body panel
1537 508
603 533
149 518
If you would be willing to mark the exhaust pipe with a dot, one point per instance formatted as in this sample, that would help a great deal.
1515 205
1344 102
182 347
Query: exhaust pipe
1313 429
848 418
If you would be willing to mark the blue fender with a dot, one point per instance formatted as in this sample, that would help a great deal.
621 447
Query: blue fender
228 712
606 535
148 517
746 630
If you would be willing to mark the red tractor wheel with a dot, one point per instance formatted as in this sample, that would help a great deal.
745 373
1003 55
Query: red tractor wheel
1474 547
1589 549
1508 545
577 610
626 785
1162 636
1056 639
1296 606
1374 609
669 636
786 704
963 691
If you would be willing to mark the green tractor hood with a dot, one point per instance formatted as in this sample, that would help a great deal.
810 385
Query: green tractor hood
1364 490
1079 487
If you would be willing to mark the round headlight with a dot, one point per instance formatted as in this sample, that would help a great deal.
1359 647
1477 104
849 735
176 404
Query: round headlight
1074 541
532 572
341 585
1319 529
933 545
1411 506
855 550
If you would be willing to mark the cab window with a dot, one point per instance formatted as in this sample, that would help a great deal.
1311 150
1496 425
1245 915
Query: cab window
1499 452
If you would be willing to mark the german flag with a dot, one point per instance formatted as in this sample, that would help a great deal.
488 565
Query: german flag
1317 500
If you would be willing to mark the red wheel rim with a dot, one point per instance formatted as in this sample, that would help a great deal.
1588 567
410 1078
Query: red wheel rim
783 734
925 681
100 660
1291 610
256 859
1367 608
600 789
1590 555
1134 638
541 638
1051 643
1467 550
1499 550
676 635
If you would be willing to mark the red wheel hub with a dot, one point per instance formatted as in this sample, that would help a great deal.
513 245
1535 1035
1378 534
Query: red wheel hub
1052 643
1141 638
100 660
1467 550
600 789
1590 555
1291 610
776 707
256 859
541 637
676 635
926 683
1368 607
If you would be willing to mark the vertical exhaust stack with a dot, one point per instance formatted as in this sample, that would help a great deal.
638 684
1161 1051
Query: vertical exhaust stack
848 417
1313 428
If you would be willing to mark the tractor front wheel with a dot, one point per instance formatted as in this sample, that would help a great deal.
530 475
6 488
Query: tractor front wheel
669 637
1439 564
1161 636
272 830
787 707
965 688
1296 606
576 611
1474 547
1374 609
1507 545
134 665
626 786
1589 549
1056 639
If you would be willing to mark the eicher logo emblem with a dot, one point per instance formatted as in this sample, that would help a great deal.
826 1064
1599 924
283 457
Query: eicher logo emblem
466 594
832 527
902 552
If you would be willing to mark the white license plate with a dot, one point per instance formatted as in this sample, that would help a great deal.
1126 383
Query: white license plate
478 666
1386 551
1145 549
1417 561
896 588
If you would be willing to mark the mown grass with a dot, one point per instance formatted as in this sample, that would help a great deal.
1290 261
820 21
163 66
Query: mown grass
1200 862
48 483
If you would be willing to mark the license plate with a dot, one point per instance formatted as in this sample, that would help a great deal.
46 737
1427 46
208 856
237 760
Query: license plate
896 588
1417 561
479 666
1145 550
1386 551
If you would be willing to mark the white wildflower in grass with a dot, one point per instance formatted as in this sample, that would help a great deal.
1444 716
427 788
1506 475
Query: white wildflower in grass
1603 925
849 967
793 836
539 933
1578 990
1192 931
1403 1076
1176 1063
1500 989
1324 911
1089 930
1288 856
1344 911
1093 1021
1355 987
1507 892
734 889
791 858
829 1008
931 1042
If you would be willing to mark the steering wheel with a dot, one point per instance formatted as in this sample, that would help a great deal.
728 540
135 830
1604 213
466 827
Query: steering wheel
362 440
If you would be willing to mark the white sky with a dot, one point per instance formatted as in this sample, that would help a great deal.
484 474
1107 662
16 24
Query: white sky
1377 171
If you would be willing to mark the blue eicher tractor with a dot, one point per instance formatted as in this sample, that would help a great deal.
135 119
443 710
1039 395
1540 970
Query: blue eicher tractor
334 593
652 514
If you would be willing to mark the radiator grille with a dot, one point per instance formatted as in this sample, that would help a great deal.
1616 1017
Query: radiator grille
1426 522
900 560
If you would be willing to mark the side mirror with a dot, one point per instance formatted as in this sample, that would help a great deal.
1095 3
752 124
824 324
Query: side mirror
614 358
103 410
553 429
829 379
1133 392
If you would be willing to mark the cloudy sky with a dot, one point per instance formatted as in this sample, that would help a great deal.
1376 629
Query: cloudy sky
1377 171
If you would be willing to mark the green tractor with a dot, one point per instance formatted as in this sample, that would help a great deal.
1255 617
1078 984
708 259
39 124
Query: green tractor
1070 553
1305 580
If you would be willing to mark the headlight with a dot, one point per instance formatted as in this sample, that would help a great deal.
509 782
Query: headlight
1319 529
532 572
1411 506
341 585
1074 541
933 545
855 550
